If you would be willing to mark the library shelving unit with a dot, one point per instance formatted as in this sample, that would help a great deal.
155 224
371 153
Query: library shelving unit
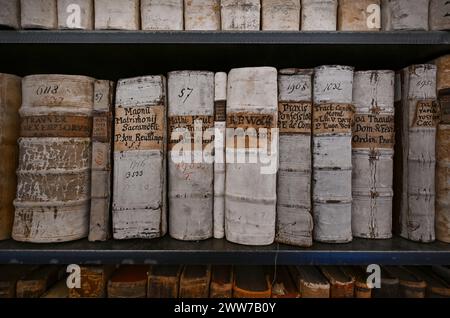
113 55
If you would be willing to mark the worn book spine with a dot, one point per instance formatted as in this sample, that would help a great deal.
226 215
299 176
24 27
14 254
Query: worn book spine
94 280
9 275
419 118
117 15
220 114
243 15
10 102
129 281
404 15
410 285
57 291
280 15
139 186
359 276
442 152
439 17
294 220
373 151
251 156
164 281
162 14
221 282
310 282
53 177
283 285
390 286
195 281
36 283
319 15
361 15
101 162
191 166
202 15
76 14
251 282
333 114
10 14
341 284
38 14
436 286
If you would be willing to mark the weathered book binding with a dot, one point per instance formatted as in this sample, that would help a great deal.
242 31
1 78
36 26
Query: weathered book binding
101 163
36 283
419 117
139 199
319 15
410 285
439 17
361 15
361 287
333 114
310 282
9 275
404 15
202 15
251 282
442 152
94 280
76 14
164 281
129 281
117 15
241 15
57 291
294 220
283 285
191 166
38 14
10 14
436 286
220 114
10 101
162 14
390 286
53 184
341 284
221 282
373 151
194 281
280 15
251 156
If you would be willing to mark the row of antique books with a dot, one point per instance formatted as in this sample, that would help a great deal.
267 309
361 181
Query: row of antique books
289 15
256 155
175 281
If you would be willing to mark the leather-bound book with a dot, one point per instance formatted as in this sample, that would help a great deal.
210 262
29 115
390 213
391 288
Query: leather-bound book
436 286
10 101
94 280
76 14
404 15
162 15
242 15
443 272
9 275
39 14
280 15
361 287
202 15
36 283
341 284
57 291
319 15
310 282
251 282
439 17
129 281
360 15
390 286
194 281
117 15
283 285
164 281
410 285
10 14
221 282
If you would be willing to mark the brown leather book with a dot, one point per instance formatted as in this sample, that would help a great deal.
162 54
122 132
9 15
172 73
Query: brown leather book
93 282
341 284
221 282
164 281
390 286
194 281
251 282
283 285
359 276
129 281
9 275
310 282
443 272
411 286
57 291
36 283
436 286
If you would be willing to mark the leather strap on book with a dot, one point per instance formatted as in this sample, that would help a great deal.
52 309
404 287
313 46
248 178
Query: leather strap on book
295 118
333 118
66 126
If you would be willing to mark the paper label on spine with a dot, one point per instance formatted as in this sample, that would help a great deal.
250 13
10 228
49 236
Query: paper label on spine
427 114
295 118
444 101
101 130
56 126
139 128
373 131
250 125
333 118
220 110
187 122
